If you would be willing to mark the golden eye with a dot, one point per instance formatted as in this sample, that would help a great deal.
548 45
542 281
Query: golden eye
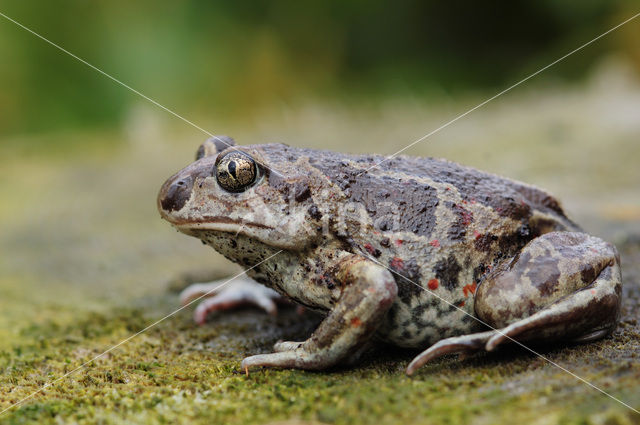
236 171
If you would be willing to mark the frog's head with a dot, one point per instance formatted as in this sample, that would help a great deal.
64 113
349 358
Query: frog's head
244 192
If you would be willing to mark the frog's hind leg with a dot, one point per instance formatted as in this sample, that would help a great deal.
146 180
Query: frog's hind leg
561 287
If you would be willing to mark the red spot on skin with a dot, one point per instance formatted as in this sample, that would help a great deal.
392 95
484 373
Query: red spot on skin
473 201
433 284
467 217
397 263
461 304
399 242
477 234
376 232
370 249
356 322
469 289
435 243
593 291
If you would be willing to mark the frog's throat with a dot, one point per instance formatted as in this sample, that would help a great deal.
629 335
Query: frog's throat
216 223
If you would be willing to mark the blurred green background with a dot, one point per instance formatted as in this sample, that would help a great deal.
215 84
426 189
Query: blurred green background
234 59
85 260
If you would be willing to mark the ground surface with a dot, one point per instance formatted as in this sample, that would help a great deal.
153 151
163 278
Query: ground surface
86 262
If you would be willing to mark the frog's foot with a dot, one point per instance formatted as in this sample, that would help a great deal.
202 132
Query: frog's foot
562 287
369 292
225 296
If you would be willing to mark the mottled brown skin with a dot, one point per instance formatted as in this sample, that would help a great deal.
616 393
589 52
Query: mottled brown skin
414 251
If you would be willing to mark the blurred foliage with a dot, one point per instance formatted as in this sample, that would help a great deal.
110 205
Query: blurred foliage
233 58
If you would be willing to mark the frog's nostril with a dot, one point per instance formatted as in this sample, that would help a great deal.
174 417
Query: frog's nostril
176 194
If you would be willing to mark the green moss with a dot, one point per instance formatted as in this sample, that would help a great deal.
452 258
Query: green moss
169 374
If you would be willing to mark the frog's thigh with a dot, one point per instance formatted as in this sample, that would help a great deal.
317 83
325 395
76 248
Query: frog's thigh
568 288
369 290
561 286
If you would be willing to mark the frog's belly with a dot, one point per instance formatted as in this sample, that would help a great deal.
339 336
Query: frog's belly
423 319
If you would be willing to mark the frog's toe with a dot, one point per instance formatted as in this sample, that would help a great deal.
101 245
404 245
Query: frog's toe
282 360
289 359
463 345
294 355
197 290
226 295
287 345
230 301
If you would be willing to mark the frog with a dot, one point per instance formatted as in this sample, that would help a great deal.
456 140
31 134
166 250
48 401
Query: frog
417 252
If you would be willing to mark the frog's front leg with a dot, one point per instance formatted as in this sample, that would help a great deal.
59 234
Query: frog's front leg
368 291
562 286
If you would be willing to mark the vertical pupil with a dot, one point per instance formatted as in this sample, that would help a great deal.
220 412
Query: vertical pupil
232 169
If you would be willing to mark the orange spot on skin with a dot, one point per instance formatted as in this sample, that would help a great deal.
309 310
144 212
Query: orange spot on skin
356 322
461 304
433 284
435 243
593 291
397 263
469 289
467 217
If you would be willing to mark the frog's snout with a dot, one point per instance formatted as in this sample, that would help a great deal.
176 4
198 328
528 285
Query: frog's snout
174 194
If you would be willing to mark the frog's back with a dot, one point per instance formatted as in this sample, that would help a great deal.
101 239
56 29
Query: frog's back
413 183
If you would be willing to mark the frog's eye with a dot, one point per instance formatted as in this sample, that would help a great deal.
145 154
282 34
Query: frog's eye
236 171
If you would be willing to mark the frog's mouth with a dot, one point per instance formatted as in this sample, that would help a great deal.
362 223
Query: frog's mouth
216 223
